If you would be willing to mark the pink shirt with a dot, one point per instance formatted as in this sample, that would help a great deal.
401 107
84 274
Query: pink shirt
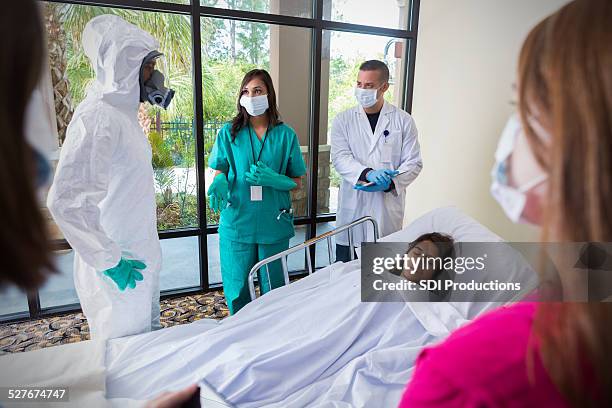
484 364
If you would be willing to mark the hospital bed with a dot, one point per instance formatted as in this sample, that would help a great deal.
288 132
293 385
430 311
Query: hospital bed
247 370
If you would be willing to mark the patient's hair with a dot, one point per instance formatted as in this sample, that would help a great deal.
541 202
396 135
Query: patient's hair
376 65
24 245
565 84
444 244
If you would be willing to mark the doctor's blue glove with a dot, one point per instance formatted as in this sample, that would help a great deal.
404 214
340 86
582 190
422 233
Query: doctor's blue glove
126 273
217 193
380 176
262 175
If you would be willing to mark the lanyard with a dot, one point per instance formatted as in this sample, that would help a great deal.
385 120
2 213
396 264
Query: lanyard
262 145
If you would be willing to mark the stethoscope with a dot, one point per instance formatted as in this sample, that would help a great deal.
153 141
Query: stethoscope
284 211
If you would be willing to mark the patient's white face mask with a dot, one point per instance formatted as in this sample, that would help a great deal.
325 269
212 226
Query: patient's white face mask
513 200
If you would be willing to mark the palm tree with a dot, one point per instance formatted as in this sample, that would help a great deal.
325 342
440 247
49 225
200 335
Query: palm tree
56 44
172 30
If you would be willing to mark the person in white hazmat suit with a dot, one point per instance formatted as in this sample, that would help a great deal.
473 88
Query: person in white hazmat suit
103 194
374 148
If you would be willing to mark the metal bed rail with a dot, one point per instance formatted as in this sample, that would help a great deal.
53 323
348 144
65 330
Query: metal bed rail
304 246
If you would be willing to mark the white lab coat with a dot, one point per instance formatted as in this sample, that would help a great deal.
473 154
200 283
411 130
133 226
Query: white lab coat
103 193
354 148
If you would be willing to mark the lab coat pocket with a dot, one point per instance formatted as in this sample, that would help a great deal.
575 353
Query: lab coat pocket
391 147
386 152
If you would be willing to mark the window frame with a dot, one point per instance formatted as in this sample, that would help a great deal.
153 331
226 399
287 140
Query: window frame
317 24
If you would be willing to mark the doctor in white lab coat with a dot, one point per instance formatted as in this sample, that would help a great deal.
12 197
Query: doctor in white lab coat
373 142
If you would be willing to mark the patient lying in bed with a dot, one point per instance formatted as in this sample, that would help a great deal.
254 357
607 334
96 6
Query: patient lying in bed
306 343
430 246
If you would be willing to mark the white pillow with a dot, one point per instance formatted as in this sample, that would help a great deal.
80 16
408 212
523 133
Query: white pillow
448 220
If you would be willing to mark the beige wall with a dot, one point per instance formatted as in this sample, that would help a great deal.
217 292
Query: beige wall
466 61
290 68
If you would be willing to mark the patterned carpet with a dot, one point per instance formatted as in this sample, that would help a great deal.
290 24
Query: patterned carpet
36 334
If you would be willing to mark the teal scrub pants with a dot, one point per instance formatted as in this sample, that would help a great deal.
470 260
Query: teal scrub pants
237 259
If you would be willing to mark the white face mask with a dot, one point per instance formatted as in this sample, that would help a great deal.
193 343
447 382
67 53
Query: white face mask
366 97
511 199
256 105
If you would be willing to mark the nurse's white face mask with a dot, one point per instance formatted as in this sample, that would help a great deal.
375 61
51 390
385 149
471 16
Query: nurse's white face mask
256 105
366 97
513 200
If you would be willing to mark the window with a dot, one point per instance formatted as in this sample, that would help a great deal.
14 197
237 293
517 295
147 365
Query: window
59 289
232 48
311 48
12 302
343 53
297 8
180 263
170 133
382 13
325 249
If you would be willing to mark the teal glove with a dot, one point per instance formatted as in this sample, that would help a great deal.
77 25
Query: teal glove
126 273
218 192
262 175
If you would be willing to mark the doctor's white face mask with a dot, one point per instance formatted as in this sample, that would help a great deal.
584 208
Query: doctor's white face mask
513 200
366 97
256 105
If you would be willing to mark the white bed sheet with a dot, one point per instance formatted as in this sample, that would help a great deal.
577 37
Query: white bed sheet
312 343
79 367
82 368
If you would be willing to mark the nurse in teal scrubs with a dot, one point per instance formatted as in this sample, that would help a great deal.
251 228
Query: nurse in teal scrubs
258 162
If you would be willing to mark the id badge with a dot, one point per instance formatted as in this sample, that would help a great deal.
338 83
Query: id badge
256 193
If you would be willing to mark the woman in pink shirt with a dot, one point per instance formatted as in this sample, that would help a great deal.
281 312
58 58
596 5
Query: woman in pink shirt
556 172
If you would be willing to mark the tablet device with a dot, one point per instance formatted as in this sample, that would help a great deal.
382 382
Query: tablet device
371 183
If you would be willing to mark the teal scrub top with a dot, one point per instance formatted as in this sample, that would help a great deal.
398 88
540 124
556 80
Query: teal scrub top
257 221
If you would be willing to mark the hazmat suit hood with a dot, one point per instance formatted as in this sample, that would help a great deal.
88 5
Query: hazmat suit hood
116 50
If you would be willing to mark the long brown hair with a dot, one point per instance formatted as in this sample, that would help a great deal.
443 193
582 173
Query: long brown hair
443 242
565 83
241 120
26 256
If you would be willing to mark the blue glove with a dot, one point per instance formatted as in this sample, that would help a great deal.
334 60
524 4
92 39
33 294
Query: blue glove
126 273
379 177
382 178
